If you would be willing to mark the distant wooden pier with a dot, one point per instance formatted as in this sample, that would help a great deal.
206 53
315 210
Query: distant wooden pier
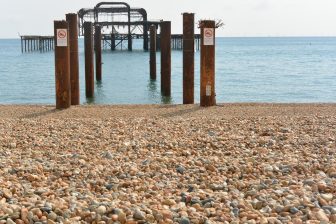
37 43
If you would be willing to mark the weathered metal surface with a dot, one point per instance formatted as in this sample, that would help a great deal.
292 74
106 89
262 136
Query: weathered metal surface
188 57
98 50
89 68
152 59
62 70
74 62
208 94
136 18
113 42
166 58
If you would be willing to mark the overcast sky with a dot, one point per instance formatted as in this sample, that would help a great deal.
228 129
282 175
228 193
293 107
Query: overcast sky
242 17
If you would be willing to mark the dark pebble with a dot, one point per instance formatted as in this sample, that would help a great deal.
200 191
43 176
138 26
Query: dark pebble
109 187
46 209
180 169
195 201
235 211
294 210
184 220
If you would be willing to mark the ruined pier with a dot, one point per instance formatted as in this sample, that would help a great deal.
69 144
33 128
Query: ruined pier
37 43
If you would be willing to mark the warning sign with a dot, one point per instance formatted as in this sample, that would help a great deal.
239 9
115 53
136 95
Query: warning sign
209 36
62 38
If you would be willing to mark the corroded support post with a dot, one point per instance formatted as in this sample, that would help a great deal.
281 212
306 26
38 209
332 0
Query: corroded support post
152 59
145 33
72 19
98 50
89 68
21 45
208 94
40 49
130 42
158 43
165 58
62 65
188 57
113 43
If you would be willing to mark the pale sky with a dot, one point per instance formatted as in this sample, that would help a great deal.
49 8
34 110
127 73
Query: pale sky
241 17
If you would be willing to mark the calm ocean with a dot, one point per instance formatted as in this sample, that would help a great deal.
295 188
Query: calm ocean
247 70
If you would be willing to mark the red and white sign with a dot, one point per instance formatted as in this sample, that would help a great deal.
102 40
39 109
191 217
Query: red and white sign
209 36
62 37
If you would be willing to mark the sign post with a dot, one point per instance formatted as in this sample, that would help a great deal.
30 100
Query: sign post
208 94
62 65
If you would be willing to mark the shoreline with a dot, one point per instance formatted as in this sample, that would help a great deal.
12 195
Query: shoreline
164 110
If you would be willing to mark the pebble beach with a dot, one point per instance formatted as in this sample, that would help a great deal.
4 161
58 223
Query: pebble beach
233 163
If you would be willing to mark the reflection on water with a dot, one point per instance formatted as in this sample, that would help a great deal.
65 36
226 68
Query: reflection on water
98 93
100 89
166 100
90 100
152 89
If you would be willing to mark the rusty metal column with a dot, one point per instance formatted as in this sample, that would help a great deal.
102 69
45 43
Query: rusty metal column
158 43
113 45
188 57
130 47
145 33
89 68
72 19
165 58
62 65
130 42
152 59
98 50
208 94
21 45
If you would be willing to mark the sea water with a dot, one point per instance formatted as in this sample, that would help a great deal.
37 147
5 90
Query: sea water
295 70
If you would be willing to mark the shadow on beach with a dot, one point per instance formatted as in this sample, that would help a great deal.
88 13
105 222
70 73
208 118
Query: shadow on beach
40 114
181 112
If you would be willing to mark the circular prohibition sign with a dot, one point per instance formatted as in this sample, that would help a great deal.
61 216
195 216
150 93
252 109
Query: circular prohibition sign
209 33
61 34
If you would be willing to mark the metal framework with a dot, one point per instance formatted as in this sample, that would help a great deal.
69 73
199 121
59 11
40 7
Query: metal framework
118 20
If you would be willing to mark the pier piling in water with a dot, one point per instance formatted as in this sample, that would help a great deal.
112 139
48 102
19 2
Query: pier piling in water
188 57
89 67
113 42
208 94
72 20
62 65
152 59
98 51
165 40
158 43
